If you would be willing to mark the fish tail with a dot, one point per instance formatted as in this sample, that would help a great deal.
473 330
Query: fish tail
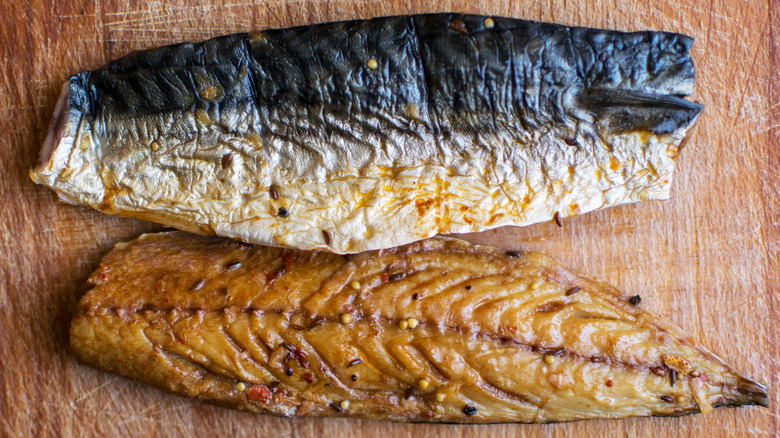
748 392
622 111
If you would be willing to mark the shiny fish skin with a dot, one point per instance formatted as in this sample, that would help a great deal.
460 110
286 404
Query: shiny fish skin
508 335
369 134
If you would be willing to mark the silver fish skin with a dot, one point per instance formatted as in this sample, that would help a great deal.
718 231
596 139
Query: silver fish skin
368 134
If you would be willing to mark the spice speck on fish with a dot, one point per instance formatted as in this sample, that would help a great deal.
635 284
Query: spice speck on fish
347 318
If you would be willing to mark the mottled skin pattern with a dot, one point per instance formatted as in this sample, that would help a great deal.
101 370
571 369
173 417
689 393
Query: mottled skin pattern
376 132
496 336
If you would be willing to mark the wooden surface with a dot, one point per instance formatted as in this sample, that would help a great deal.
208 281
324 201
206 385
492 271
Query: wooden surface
709 258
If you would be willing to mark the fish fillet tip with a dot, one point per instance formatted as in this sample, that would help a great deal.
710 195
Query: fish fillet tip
56 133
750 392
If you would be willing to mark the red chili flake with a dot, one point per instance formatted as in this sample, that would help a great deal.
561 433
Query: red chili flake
348 308
557 219
103 275
160 286
513 329
166 300
427 415
273 276
259 393
610 383
385 277
179 338
226 160
459 26
287 260
309 377
659 371
279 396
300 356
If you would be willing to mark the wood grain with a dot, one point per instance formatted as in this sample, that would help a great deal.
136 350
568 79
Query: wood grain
709 258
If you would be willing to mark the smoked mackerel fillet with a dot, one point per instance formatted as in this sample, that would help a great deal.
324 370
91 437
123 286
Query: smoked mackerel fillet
369 134
438 330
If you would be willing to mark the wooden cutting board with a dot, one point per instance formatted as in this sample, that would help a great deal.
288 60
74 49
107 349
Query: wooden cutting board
709 258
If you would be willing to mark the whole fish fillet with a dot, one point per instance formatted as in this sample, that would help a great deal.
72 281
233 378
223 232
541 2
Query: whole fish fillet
439 330
369 134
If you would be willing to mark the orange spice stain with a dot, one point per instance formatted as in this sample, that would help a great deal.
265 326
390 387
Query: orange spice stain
423 205
614 164
652 170
210 93
493 218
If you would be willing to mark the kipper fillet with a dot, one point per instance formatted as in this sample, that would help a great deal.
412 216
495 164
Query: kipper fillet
439 330
369 134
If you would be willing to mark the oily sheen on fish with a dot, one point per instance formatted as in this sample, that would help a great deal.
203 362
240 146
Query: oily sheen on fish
438 330
369 134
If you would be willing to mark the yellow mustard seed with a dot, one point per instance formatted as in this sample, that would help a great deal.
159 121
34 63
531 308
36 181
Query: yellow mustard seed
535 286
372 64
355 284
489 23
347 318
403 325
241 386
155 146
548 359
440 397
423 383
412 322
344 404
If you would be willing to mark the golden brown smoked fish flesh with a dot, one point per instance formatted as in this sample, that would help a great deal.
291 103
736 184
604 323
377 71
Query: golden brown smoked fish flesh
370 134
439 330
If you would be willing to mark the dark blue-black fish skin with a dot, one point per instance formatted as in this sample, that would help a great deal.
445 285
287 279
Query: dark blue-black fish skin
314 80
